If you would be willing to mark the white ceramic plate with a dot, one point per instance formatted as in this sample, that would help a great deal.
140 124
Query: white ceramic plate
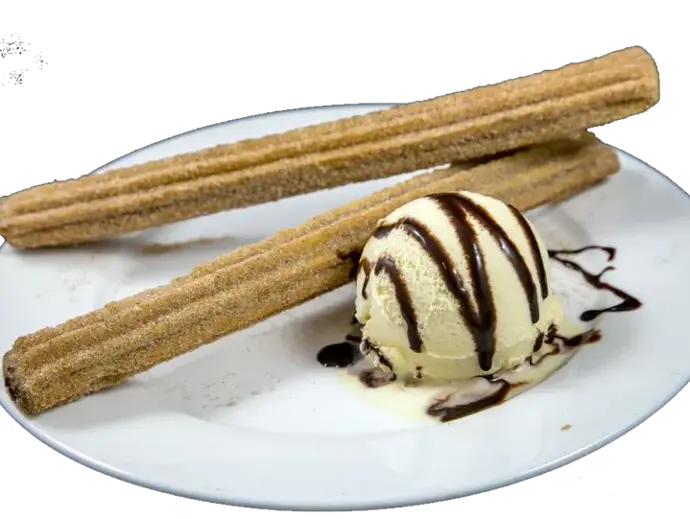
254 420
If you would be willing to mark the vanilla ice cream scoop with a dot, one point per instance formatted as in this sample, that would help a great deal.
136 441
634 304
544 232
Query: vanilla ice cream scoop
454 286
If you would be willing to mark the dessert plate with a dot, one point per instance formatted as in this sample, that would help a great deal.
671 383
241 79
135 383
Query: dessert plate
255 420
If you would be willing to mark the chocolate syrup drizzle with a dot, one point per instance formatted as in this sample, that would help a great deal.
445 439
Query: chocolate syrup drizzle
538 342
368 346
465 205
481 324
610 251
629 302
534 247
365 266
565 343
482 321
402 295
446 413
374 378
440 256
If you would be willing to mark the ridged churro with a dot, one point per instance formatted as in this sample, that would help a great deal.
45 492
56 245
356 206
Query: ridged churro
460 126
103 348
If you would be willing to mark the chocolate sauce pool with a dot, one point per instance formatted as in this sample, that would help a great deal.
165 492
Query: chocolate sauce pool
338 355
341 354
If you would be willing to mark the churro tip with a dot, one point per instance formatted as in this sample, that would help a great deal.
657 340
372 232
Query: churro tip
635 49
649 72
9 380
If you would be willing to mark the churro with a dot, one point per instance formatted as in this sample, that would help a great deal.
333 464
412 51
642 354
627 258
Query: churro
103 348
460 126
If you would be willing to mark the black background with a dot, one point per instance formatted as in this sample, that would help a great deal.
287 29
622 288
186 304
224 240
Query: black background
69 105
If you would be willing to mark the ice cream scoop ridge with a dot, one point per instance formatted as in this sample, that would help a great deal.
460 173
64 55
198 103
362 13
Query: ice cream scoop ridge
452 286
